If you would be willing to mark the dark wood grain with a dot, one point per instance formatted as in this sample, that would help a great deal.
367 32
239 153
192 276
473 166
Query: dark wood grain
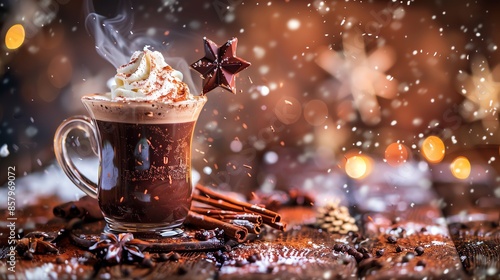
421 226
454 248
478 244
473 214
300 253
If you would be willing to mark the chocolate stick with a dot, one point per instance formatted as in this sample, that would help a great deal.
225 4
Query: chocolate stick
236 232
246 206
86 241
210 244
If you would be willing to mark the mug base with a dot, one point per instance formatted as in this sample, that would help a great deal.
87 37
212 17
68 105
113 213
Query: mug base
143 230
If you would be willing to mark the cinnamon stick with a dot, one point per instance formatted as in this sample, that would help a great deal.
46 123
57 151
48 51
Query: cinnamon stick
269 220
229 215
213 211
244 205
238 233
218 203
278 226
252 218
251 227
86 208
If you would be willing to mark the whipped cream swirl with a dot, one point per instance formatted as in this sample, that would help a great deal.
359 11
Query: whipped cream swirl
148 77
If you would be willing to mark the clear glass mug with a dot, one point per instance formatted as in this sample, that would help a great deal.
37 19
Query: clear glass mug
144 149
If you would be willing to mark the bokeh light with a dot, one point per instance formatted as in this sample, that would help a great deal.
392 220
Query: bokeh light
271 157
288 110
433 149
293 24
396 154
315 112
236 146
14 37
358 166
460 167
59 71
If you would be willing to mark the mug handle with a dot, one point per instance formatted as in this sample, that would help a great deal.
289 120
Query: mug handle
82 123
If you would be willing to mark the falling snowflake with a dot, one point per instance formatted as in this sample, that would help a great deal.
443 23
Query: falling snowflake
482 94
4 151
361 74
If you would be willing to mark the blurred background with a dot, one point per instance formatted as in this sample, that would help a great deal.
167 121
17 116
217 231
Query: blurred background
341 89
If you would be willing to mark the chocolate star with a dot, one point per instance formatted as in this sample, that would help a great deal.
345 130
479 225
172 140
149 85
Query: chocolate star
220 65
114 249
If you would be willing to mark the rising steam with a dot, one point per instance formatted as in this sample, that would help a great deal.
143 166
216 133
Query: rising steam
116 42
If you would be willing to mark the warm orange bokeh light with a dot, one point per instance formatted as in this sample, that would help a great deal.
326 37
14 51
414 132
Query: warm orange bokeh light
460 168
358 167
433 149
396 154
14 37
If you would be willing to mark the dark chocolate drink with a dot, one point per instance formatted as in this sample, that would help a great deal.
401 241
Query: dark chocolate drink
144 148
145 172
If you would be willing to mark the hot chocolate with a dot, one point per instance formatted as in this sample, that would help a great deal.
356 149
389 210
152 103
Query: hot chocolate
142 131
154 161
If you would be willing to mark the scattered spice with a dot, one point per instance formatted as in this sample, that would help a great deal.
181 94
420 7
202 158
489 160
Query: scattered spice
338 247
408 257
165 256
28 256
380 252
59 260
367 255
419 250
399 249
392 239
147 262
363 250
358 256
175 256
254 258
36 242
221 257
204 234
421 263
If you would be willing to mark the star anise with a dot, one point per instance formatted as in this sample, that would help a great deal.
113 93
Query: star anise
115 249
36 242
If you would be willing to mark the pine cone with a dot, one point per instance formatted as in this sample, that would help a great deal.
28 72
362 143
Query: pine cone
335 219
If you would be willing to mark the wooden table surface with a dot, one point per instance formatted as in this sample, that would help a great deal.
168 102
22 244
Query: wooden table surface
460 238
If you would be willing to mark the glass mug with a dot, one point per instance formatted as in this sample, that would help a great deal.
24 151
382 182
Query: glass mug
144 149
